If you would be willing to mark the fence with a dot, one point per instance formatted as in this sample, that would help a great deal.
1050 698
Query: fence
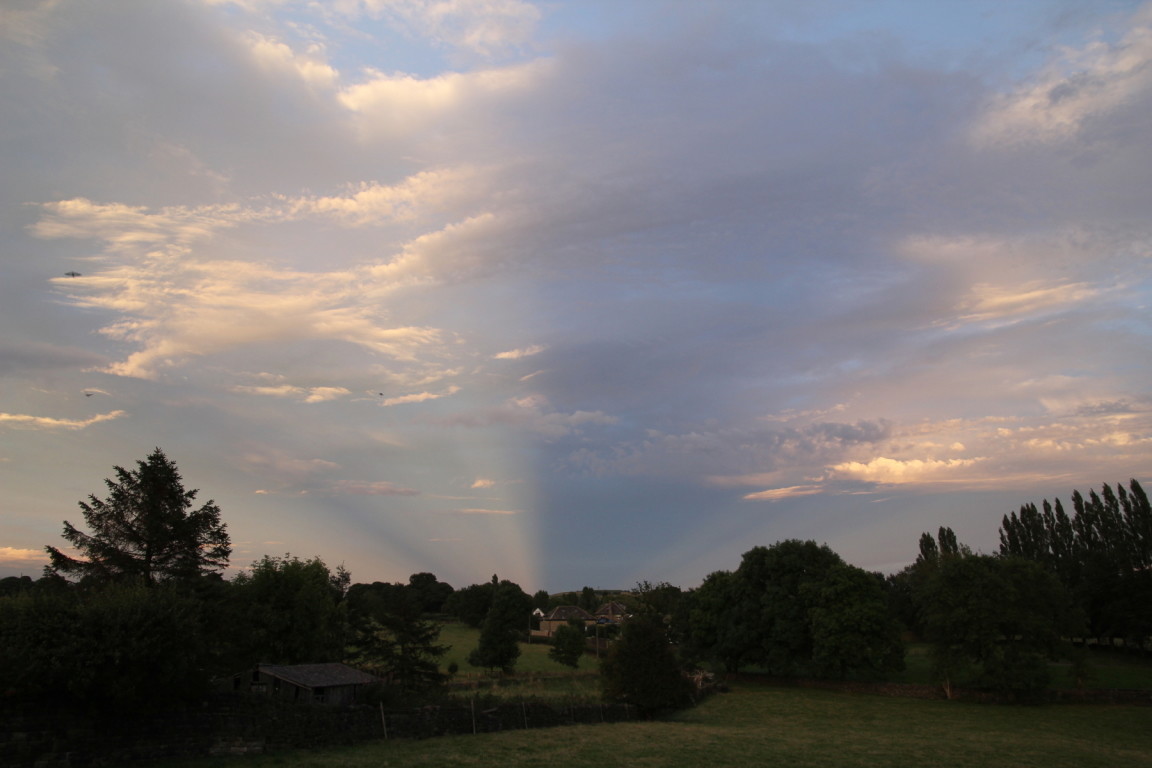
246 725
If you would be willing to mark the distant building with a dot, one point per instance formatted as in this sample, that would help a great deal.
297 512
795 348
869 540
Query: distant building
611 613
560 617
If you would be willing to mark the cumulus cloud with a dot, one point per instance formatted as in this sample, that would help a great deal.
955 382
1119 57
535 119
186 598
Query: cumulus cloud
897 472
310 65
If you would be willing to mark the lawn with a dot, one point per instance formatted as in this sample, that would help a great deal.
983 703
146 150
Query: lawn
781 726
462 640
536 675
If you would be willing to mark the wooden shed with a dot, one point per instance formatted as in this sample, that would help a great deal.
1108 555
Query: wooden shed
316 683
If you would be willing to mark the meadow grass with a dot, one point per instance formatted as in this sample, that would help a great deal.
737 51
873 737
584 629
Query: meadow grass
764 725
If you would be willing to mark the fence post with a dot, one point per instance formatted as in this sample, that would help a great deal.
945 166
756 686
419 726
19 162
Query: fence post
383 720
472 701
524 712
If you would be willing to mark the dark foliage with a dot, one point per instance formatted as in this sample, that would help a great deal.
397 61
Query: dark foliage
641 669
507 620
1102 554
568 644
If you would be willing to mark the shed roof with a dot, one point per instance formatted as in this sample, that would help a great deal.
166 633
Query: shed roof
318 675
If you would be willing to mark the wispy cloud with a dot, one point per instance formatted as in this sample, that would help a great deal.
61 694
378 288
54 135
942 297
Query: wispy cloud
790 492
24 421
516 354
419 397
304 394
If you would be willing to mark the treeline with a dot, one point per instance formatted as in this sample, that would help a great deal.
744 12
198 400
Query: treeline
147 619
994 621
124 644
1102 555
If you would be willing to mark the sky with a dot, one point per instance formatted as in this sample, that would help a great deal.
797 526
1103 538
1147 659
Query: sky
575 292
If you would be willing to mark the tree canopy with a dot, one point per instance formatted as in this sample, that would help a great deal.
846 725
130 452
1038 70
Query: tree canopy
145 529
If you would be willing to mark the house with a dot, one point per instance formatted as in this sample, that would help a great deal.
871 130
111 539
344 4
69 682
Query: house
560 617
611 613
317 683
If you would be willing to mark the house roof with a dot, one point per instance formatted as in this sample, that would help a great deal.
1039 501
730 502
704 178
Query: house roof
611 609
318 675
569 612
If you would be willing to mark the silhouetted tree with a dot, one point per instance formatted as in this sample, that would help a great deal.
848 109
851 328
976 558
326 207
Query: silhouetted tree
394 641
1102 554
507 618
430 592
568 644
145 529
641 668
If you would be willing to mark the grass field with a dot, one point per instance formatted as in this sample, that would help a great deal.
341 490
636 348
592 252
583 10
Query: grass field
756 725
536 674
1105 670
462 639
761 725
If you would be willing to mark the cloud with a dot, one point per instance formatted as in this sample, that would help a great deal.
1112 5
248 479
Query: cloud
177 307
415 198
14 557
483 482
1079 90
23 421
419 398
888 471
516 354
1002 304
792 491
310 66
398 105
304 394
